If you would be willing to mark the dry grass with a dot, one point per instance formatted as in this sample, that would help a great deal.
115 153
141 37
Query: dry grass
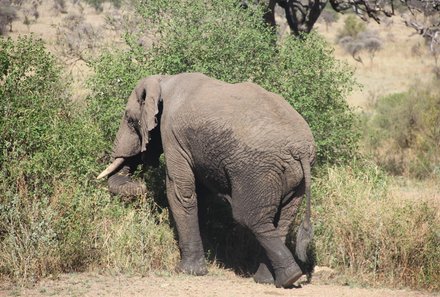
80 229
46 26
375 230
403 61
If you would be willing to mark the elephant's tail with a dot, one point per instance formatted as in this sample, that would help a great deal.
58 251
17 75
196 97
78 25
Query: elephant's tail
305 231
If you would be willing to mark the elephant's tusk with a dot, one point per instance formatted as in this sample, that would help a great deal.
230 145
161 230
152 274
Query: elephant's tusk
112 167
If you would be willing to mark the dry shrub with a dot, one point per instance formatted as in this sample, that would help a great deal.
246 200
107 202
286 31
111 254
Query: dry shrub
403 132
371 234
8 13
329 17
82 228
355 38
77 37
59 6
365 41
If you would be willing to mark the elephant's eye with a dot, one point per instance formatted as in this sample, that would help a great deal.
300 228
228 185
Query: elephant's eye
133 123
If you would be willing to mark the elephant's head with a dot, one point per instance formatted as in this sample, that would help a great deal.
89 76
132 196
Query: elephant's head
138 138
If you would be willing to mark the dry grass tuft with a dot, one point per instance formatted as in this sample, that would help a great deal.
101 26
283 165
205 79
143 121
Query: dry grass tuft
373 234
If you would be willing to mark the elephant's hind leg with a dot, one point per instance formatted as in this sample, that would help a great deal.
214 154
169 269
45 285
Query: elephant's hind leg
282 221
183 203
256 209
264 273
286 270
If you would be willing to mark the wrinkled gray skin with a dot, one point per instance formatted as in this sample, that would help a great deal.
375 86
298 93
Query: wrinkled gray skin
240 141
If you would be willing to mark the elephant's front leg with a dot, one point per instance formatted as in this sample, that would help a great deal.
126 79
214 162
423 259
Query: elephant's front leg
183 203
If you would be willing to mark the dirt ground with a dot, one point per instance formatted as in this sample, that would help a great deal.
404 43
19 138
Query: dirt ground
221 283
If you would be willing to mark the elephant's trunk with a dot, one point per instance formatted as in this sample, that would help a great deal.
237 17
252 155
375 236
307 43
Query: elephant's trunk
121 183
112 167
120 180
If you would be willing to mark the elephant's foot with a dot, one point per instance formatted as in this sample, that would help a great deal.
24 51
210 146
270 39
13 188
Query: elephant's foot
264 275
193 267
286 269
285 277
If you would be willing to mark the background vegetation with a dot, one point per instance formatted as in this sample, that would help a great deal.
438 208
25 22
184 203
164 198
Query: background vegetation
54 216
403 133
374 233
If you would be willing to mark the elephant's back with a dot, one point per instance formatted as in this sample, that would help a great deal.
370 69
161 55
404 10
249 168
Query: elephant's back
252 112
245 111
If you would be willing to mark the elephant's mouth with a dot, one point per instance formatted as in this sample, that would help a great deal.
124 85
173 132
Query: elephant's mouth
120 180
112 167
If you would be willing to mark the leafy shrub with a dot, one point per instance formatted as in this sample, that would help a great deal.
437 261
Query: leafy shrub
116 74
54 217
352 27
187 38
30 76
403 133
38 120
368 231
316 85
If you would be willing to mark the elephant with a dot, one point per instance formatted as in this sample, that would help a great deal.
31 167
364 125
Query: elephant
242 142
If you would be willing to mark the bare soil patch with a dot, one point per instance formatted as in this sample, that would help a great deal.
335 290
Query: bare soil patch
219 284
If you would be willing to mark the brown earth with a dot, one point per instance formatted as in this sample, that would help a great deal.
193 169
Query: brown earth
221 283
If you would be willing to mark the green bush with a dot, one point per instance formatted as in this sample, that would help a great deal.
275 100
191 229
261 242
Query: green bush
44 136
30 76
115 77
352 27
54 216
315 84
403 133
224 41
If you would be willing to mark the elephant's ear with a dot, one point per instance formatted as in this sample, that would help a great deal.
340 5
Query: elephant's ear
148 92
